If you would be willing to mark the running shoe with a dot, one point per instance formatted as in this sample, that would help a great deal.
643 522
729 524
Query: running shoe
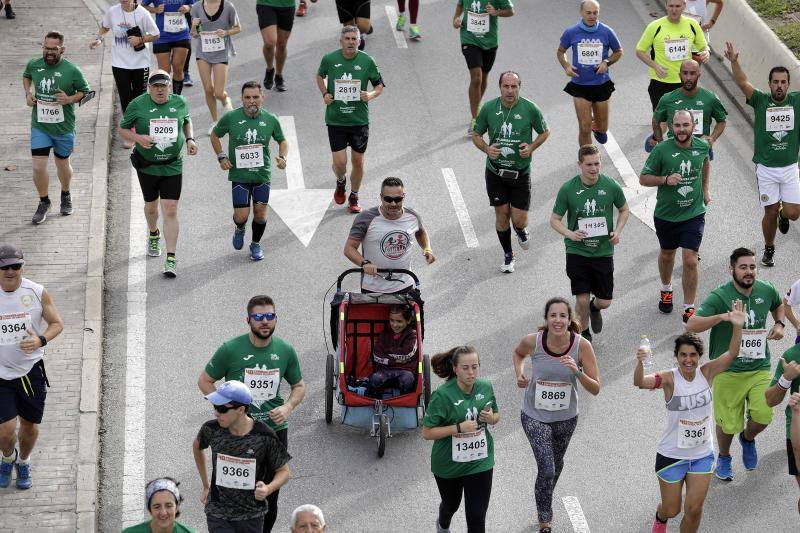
6 468
41 212
301 9
723 469
659 526
595 319
413 33
665 302
545 530
647 146
600 136
269 78
362 43
524 239
228 105
401 22
768 258
280 83
171 267
687 314
187 80
66 204
508 263
154 245
238 238
23 476
352 202
339 193
749 452
783 223
10 12
256 253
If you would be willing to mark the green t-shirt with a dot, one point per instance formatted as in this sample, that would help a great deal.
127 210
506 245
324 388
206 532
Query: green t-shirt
450 405
238 356
46 82
144 527
583 202
508 128
704 106
676 203
762 300
792 354
246 131
776 148
142 113
663 40
335 66
276 3
483 39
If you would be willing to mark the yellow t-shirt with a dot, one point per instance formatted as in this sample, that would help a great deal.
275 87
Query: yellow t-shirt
670 44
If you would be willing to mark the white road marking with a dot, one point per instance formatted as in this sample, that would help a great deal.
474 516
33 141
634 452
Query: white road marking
399 36
461 208
573 507
294 167
135 360
641 200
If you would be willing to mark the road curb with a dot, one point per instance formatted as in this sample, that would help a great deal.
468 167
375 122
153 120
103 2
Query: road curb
89 410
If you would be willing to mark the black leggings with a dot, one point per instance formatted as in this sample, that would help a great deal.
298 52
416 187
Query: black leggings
130 83
477 489
272 499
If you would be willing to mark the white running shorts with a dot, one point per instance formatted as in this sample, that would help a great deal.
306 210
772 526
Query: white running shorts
777 184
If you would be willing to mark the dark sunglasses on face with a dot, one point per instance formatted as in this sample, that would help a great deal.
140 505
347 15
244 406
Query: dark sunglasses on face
12 267
258 317
222 409
393 199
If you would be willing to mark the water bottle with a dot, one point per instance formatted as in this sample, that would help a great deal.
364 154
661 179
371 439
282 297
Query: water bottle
647 364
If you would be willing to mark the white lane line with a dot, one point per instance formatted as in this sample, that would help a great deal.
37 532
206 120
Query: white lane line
294 167
399 36
135 377
573 507
641 200
461 208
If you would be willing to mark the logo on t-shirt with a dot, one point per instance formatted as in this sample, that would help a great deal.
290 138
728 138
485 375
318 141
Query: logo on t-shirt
590 207
46 84
395 244
26 300
779 135
476 6
251 135
686 167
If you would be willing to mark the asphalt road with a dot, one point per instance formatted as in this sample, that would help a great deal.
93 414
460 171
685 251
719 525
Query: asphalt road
418 127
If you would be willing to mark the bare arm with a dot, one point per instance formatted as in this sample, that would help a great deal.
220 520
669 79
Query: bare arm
216 144
622 219
645 58
738 74
200 463
51 315
723 362
719 127
699 324
206 383
790 316
651 180
658 136
459 14
590 379
539 140
789 372
615 56
351 252
523 350
706 177
439 432
557 223
283 148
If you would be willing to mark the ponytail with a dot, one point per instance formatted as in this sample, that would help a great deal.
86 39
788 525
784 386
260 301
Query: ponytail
574 322
443 363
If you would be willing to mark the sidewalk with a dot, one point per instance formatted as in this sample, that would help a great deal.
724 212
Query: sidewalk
65 254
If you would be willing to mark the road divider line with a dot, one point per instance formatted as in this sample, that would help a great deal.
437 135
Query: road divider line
294 166
641 200
135 361
460 206
399 36
573 507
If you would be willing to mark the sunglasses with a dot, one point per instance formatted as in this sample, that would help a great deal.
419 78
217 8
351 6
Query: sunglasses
222 409
258 317
12 267
393 199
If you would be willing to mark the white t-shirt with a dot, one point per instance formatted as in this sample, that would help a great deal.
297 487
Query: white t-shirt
118 22
793 296
27 301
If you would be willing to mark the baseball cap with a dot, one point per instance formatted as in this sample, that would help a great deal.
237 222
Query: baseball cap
10 255
159 78
231 391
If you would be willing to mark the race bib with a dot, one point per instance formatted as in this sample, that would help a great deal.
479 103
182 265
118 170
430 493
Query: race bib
552 395
13 328
250 156
676 49
263 383
469 447
347 90
211 42
693 433
698 121
164 130
235 472
780 118
174 22
49 112
477 22
754 344
590 53
593 226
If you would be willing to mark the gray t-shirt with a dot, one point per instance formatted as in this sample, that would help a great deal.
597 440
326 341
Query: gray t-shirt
551 394
224 19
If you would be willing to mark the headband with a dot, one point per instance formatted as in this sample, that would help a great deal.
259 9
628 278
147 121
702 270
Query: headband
161 484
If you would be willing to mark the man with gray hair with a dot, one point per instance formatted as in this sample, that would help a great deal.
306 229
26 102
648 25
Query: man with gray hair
308 518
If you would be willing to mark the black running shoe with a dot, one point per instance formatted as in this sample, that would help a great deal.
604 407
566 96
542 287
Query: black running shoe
280 83
783 223
269 78
767 259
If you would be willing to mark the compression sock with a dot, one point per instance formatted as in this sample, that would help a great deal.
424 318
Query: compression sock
258 229
505 240
177 86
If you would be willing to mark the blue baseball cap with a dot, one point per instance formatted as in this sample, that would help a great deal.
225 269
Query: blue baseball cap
231 391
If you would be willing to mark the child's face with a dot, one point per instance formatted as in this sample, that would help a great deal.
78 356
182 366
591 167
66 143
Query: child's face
397 322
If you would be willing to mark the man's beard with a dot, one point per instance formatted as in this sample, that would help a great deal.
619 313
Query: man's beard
260 335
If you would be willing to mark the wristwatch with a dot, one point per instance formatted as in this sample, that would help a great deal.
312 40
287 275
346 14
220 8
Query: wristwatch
43 340
781 323
366 262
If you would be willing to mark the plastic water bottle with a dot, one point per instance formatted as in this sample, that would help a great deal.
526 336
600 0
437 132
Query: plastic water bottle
647 364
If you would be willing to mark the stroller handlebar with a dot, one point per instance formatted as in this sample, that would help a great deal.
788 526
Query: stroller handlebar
388 271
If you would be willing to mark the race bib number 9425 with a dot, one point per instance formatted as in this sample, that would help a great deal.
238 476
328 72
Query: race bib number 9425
780 118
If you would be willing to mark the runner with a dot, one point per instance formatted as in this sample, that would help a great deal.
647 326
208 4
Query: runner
590 236
560 360
173 43
462 457
261 360
510 121
275 19
9 11
29 321
57 86
248 162
302 8
187 79
477 22
792 299
384 234
213 45
686 446
158 122
595 47
249 463
787 378
308 519
775 147
665 43
163 501
413 30
676 166
355 13
743 384
347 114
698 10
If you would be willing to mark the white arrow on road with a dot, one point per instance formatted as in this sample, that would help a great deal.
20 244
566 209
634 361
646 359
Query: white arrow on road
301 209
641 200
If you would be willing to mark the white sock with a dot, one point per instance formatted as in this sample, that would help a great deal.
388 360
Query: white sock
687 306
666 287
24 461
8 458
